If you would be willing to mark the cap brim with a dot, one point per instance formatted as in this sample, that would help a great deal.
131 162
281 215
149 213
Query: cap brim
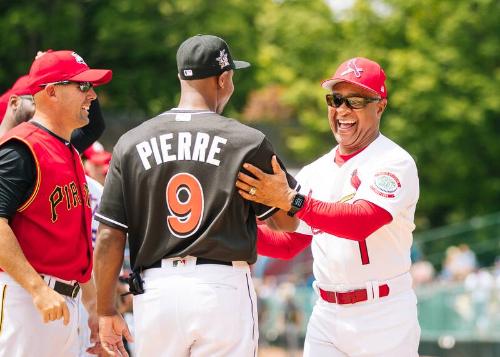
241 64
95 76
329 83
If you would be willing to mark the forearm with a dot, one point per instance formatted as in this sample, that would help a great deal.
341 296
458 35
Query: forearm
282 245
108 260
281 221
14 262
89 297
351 221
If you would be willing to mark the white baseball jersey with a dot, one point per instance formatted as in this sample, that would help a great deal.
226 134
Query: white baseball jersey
95 193
384 174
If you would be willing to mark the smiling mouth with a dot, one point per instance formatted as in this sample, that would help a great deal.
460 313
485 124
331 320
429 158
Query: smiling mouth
345 124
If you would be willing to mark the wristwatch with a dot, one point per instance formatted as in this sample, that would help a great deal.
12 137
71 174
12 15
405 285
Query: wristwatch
297 203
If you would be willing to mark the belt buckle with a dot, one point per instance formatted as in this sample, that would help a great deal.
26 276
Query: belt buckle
76 289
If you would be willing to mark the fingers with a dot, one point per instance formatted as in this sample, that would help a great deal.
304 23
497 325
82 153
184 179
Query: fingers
247 179
65 314
246 195
56 312
254 170
110 349
122 350
276 166
243 186
127 334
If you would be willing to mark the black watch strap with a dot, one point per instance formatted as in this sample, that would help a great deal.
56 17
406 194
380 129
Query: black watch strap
297 203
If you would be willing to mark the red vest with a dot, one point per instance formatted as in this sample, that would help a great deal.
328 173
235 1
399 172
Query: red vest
53 225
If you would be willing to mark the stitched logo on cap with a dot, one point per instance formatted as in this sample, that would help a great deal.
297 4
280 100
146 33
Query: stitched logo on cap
188 72
352 68
78 58
222 59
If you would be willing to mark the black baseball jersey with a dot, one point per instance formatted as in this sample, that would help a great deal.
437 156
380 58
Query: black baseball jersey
171 187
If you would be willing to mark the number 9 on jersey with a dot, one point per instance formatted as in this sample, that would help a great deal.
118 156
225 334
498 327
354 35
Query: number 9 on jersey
184 196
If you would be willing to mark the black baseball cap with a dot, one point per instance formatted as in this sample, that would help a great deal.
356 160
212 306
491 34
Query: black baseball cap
203 56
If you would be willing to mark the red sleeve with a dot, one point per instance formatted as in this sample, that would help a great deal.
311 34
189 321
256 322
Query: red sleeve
282 245
352 221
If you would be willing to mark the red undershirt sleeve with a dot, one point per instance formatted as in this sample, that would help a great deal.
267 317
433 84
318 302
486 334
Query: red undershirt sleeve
351 221
282 245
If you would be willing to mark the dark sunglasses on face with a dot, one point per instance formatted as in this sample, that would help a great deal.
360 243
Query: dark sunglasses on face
83 86
354 102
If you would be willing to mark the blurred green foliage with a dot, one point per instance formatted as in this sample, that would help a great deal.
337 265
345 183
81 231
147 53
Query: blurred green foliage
441 56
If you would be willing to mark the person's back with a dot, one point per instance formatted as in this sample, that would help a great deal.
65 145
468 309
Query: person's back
170 186
190 159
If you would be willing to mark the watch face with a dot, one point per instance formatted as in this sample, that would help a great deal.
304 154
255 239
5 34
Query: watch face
298 201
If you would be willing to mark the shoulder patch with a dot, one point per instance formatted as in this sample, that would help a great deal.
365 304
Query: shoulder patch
386 184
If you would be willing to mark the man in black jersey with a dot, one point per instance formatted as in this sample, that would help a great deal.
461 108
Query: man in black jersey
170 187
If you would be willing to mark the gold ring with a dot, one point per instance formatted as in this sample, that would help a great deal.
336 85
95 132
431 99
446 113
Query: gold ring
252 191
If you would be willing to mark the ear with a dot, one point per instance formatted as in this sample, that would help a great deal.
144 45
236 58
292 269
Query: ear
50 90
381 106
222 79
14 101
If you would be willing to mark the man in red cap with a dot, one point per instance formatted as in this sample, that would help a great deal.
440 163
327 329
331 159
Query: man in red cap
16 105
96 162
45 244
356 207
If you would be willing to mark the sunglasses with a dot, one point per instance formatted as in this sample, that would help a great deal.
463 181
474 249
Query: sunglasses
336 100
83 86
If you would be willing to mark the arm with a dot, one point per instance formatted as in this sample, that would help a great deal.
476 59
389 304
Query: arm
17 177
89 301
280 221
351 221
280 245
82 138
49 303
108 260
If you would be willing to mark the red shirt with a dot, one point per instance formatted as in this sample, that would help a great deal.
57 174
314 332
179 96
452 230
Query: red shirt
53 225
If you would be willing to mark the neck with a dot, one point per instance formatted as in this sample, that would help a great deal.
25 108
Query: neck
55 126
198 94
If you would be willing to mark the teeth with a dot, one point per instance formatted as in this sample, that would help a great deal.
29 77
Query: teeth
346 122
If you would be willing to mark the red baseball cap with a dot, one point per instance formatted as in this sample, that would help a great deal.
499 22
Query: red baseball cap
97 155
22 86
4 101
361 72
56 66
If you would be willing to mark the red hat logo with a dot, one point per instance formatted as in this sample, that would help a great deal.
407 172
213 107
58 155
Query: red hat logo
352 68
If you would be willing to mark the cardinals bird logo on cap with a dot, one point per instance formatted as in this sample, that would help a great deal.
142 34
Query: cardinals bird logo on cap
78 58
352 68
222 59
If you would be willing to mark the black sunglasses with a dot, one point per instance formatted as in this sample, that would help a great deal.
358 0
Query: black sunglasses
336 100
83 86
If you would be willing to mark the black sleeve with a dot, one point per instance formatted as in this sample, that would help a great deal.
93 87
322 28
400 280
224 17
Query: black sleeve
82 138
262 159
17 176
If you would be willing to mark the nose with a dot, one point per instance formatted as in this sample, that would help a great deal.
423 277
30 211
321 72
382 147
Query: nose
343 108
91 94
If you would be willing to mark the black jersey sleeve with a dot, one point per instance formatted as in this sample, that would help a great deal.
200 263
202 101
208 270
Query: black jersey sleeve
17 176
112 206
262 159
82 138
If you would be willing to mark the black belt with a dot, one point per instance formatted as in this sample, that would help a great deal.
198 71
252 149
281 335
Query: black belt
66 289
199 261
